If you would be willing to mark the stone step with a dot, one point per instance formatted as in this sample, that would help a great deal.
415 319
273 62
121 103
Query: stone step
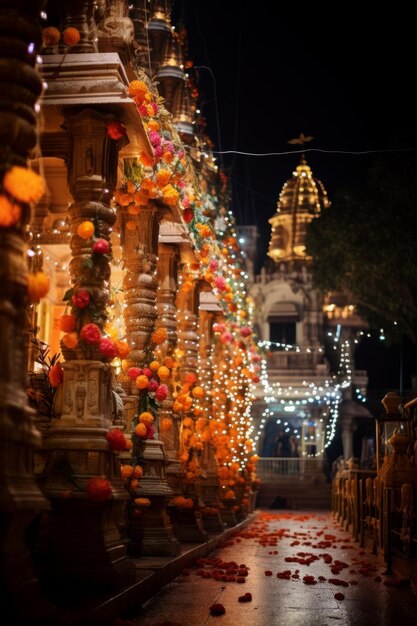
294 495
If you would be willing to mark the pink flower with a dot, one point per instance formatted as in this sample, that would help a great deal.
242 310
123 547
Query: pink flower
154 138
256 358
220 283
219 327
134 372
101 246
214 264
147 372
185 202
153 385
158 152
169 147
155 107
81 298
226 337
246 331
180 154
161 392
90 333
108 348
143 111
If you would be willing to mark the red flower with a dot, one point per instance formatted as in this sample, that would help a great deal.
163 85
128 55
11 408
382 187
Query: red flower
187 215
56 375
116 439
101 246
90 333
99 489
134 372
81 298
161 392
108 348
116 130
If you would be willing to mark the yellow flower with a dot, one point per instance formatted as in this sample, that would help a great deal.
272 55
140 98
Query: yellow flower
24 184
162 178
170 195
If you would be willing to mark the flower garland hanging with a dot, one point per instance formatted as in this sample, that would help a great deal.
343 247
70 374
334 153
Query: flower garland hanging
83 326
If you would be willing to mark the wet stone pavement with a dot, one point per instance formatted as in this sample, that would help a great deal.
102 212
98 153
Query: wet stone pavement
285 569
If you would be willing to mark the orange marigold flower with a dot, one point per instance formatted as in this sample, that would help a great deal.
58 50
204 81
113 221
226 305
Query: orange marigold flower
122 198
51 36
140 430
169 362
159 336
126 471
137 89
67 323
142 382
131 225
146 418
187 422
190 378
230 494
142 502
134 209
163 373
70 341
170 195
154 366
123 349
38 286
24 184
138 471
99 489
10 212
153 125
71 36
167 157
204 230
85 230
162 178
146 159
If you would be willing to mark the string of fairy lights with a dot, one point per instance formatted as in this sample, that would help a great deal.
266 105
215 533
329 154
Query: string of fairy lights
326 394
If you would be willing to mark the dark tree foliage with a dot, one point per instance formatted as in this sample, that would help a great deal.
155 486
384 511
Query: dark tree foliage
365 245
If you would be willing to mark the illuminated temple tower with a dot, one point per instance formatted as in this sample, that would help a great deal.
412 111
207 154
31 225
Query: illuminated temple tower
302 393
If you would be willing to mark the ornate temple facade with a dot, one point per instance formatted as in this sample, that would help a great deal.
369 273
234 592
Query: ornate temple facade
302 395
128 370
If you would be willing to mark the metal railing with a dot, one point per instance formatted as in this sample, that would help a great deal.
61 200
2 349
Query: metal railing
270 468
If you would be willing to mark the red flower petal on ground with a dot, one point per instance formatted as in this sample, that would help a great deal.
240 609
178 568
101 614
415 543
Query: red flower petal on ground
268 572
217 609
339 596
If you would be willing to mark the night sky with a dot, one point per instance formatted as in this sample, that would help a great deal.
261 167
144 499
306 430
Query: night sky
277 70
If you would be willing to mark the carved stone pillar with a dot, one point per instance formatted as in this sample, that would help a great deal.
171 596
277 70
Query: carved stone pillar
21 502
189 526
167 274
79 14
84 545
209 484
150 533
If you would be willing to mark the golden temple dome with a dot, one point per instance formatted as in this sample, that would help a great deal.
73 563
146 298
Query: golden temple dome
302 198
